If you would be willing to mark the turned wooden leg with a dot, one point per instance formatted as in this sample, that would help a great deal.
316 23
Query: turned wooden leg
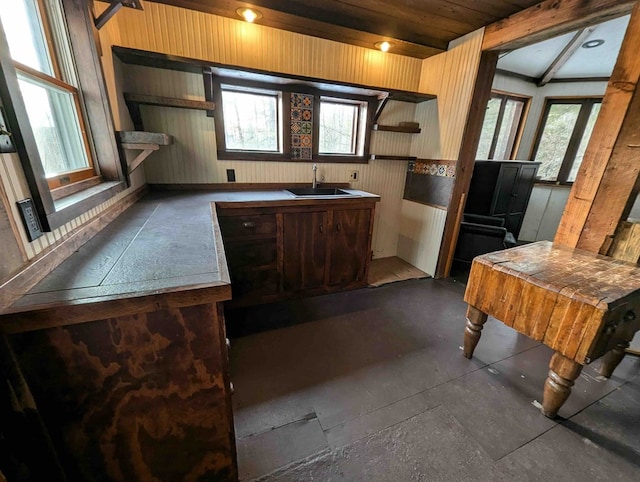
473 329
613 358
562 373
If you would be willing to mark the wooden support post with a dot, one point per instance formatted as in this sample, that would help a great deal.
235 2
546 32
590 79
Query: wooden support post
562 374
466 159
605 186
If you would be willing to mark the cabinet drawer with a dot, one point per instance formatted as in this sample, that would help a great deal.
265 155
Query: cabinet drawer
250 254
261 224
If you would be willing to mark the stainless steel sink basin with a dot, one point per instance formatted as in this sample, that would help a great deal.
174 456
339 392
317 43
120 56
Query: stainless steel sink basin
319 191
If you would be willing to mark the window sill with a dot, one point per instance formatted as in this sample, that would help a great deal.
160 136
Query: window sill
552 184
70 207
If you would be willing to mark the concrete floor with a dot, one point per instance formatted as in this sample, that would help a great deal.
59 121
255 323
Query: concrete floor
371 385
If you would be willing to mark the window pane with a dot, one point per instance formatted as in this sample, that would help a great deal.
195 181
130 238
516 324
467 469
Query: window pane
588 130
23 27
250 121
508 129
555 139
338 124
488 128
54 120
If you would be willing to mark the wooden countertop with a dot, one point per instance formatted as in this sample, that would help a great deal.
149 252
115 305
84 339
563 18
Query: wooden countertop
164 251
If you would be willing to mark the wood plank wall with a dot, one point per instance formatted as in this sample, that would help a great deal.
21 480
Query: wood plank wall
192 157
451 76
177 31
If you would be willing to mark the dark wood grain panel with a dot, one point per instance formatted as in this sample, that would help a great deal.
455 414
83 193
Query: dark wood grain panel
138 397
349 246
305 244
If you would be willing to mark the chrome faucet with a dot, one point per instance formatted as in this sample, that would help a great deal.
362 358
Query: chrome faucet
315 181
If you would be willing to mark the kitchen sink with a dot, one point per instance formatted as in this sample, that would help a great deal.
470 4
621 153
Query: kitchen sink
319 191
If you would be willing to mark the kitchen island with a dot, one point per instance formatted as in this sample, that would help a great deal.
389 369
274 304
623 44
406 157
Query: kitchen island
123 345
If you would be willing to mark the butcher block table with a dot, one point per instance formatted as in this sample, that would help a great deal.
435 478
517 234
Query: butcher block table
580 304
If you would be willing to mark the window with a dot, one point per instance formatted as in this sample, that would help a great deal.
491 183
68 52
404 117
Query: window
262 120
46 78
340 129
251 120
501 127
563 137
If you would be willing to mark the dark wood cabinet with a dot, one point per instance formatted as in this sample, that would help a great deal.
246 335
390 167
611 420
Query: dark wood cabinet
349 244
279 252
502 189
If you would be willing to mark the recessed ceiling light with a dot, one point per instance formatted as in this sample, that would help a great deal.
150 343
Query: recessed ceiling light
249 14
592 44
384 46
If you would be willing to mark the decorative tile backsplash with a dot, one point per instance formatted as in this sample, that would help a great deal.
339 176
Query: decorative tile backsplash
301 126
433 168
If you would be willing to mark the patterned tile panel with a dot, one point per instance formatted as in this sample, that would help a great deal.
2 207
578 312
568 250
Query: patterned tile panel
301 126
433 168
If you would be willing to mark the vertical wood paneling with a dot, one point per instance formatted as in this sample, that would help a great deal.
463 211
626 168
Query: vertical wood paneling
451 76
421 231
172 30
192 156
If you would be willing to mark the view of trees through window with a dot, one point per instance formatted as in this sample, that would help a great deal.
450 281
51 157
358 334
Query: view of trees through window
52 103
562 141
502 122
250 121
338 128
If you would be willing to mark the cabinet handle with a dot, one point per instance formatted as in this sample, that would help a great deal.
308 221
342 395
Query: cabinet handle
338 227
248 225
322 228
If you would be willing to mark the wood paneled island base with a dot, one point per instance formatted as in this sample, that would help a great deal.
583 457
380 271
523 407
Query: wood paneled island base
580 304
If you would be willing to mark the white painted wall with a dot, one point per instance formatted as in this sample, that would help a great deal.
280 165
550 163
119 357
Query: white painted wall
547 202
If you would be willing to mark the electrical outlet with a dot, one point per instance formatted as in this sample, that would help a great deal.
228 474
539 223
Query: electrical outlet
354 176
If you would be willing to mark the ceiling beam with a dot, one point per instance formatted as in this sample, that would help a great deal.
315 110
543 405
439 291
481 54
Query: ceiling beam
549 19
566 53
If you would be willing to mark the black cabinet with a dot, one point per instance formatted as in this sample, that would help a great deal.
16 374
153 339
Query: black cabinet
502 189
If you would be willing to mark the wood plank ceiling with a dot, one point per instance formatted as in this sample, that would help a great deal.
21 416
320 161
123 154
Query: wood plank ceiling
416 28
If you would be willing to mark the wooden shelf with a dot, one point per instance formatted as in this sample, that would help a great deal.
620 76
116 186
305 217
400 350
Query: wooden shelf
381 157
404 129
147 142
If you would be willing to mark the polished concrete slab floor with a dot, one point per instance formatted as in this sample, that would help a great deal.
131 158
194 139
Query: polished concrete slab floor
371 385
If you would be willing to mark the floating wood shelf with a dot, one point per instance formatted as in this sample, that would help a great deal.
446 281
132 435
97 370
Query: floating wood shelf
134 101
400 128
147 142
381 157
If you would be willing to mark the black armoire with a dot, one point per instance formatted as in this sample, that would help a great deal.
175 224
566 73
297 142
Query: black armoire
502 189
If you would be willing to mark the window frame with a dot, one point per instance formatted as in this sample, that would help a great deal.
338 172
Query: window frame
575 140
285 90
99 128
357 134
504 98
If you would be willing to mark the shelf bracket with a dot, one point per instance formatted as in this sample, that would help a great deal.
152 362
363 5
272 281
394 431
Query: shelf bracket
113 8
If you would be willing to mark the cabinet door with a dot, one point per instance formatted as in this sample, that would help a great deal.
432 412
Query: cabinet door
304 249
505 188
349 246
520 198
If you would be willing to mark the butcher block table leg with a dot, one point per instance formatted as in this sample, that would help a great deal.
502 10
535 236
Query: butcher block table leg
613 358
473 329
562 374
